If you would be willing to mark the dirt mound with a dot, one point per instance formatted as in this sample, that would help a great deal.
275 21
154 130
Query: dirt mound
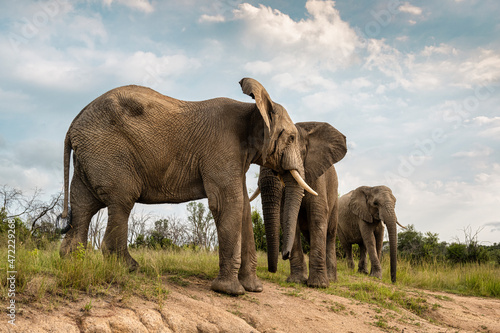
193 307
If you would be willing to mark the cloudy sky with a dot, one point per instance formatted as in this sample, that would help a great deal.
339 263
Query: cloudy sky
414 85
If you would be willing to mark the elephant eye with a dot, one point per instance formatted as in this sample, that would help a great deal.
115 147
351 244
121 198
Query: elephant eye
375 203
291 139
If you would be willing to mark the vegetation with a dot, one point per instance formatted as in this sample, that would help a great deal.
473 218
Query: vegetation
171 251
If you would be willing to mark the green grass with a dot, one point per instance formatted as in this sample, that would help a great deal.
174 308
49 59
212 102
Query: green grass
42 274
467 279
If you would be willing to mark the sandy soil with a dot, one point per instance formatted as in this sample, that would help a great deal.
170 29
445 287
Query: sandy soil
192 307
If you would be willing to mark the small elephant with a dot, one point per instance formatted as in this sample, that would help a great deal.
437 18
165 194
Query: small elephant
362 214
133 144
314 216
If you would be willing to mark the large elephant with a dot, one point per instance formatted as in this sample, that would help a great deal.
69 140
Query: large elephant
361 213
133 144
314 216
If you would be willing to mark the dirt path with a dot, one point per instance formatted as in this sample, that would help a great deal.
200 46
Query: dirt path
193 307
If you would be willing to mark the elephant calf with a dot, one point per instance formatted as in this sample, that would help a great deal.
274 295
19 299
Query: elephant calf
361 213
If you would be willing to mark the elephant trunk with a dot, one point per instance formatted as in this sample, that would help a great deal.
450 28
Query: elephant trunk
271 193
293 199
390 220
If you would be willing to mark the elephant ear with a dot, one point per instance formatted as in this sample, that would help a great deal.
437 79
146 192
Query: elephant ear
325 146
264 103
358 204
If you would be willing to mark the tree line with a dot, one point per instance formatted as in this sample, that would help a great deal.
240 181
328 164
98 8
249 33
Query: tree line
37 220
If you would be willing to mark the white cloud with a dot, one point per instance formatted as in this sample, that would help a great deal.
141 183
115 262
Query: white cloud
211 18
483 120
480 152
360 82
259 67
488 127
434 67
140 5
323 40
88 29
410 9
441 49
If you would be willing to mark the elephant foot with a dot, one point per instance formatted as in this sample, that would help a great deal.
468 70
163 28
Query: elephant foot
363 270
317 281
297 278
228 286
131 263
251 283
377 274
332 276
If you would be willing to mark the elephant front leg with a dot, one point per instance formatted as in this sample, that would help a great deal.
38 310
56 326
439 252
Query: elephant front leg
362 265
376 268
298 267
228 218
317 257
248 270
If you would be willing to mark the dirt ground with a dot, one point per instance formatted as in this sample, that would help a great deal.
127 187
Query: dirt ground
193 307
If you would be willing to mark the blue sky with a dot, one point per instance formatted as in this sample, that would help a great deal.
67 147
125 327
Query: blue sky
414 85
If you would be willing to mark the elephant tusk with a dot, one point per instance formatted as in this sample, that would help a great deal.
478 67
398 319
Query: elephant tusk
255 194
400 225
301 182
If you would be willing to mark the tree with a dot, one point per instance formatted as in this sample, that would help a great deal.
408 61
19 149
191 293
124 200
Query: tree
468 251
201 226
97 227
137 224
259 231
40 216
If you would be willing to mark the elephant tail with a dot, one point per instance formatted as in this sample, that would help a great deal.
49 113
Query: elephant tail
67 155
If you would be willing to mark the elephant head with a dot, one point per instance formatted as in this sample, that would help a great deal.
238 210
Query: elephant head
374 204
280 149
321 145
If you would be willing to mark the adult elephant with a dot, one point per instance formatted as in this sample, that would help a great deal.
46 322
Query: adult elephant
133 144
314 216
361 213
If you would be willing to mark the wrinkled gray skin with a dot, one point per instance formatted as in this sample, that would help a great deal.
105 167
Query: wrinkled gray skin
361 213
133 144
314 216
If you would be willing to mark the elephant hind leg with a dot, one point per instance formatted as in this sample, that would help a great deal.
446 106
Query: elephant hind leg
83 206
331 253
116 234
248 270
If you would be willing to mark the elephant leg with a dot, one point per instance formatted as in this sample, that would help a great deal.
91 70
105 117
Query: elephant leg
116 234
248 270
348 252
227 208
375 269
298 267
318 225
331 253
83 206
362 265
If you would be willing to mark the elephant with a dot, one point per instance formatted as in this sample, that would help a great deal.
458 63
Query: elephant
315 216
362 215
133 144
